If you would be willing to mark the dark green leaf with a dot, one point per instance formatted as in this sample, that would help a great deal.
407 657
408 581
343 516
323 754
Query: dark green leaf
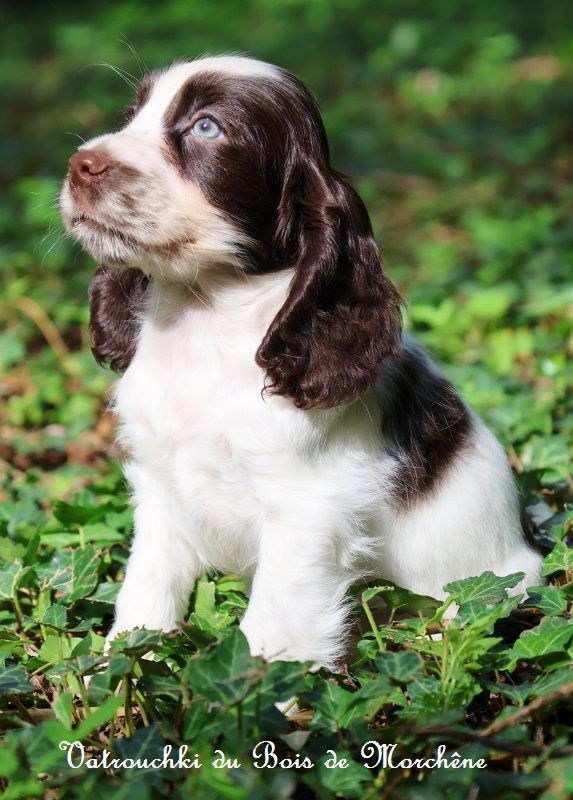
402 666
14 680
486 587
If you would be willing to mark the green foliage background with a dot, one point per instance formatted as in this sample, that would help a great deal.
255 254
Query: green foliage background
455 120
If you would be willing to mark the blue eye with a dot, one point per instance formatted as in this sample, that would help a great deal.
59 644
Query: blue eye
206 128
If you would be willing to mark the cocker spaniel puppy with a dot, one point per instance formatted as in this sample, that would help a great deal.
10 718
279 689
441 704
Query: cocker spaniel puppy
277 423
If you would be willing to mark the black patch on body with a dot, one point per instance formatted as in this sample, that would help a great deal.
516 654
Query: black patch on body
424 422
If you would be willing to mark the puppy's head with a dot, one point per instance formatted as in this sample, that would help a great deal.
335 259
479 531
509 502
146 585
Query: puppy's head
223 165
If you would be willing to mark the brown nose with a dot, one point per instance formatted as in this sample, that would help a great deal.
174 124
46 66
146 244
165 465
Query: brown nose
87 166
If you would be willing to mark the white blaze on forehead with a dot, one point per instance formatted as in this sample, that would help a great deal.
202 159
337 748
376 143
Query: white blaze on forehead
169 82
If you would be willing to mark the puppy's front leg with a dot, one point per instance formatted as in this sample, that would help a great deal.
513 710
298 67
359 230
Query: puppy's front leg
161 570
297 610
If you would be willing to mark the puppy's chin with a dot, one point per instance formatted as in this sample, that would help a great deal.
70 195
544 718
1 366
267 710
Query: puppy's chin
105 242
117 249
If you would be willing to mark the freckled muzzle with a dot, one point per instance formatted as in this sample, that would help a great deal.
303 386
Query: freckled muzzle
100 206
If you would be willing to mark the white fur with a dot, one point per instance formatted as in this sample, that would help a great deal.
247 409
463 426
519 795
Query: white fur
148 121
225 478
297 499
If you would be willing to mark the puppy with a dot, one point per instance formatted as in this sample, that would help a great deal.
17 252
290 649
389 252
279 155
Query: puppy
277 423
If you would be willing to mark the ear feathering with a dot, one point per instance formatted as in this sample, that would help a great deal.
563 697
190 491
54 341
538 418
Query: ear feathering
342 315
116 300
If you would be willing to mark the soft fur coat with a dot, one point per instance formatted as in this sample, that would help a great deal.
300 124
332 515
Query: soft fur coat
276 422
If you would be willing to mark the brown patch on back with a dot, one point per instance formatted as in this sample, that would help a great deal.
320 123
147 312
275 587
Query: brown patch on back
424 422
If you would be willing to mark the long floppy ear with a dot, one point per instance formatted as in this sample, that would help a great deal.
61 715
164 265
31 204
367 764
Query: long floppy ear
116 301
342 315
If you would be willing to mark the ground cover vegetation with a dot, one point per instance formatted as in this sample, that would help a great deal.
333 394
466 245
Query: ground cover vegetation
455 121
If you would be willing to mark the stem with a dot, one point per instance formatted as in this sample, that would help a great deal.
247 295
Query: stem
84 696
444 664
36 313
373 625
18 611
129 726
41 669
117 717
112 731
128 700
24 713
526 711
140 700
441 610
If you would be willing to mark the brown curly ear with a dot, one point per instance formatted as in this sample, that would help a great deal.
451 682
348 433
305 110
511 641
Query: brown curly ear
342 315
116 302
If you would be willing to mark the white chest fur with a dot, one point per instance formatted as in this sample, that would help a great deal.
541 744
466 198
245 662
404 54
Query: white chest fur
227 459
226 478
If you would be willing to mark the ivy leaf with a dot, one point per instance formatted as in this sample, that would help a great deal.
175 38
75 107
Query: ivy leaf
365 702
549 599
517 694
76 515
103 714
552 635
205 599
84 573
10 643
373 591
9 577
282 680
345 782
426 699
550 682
136 642
56 616
63 706
106 592
336 707
401 666
14 680
223 674
560 559
57 574
329 702
206 614
485 614
396 597
56 648
145 744
486 587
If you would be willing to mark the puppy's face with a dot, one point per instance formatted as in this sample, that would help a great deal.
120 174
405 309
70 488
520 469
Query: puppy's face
223 166
193 181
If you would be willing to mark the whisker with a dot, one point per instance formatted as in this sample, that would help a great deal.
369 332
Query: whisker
140 62
129 79
72 133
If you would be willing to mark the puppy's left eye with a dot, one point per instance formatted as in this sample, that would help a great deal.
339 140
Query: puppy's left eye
206 128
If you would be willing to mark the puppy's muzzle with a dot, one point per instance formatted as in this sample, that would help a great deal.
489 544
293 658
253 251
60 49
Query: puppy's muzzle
86 168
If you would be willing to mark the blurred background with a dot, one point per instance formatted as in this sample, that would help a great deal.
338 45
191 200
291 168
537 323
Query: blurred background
455 121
